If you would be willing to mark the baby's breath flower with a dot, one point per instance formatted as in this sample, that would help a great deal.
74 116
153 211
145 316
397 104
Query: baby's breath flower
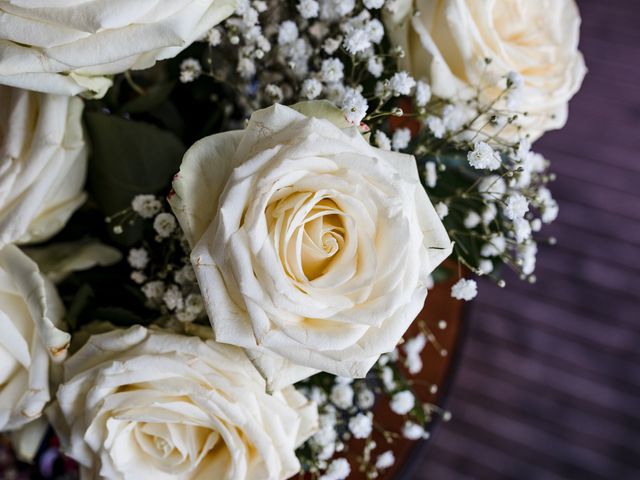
146 205
365 399
339 469
453 117
442 210
373 4
332 70
214 38
361 425
260 5
385 460
311 88
164 224
549 206
343 7
274 92
485 266
516 206
342 396
464 289
382 140
153 290
402 402
522 230
287 32
412 431
388 379
489 214
308 8
138 277
436 126
430 174
536 225
185 275
415 345
401 138
172 298
495 246
401 83
472 220
357 41
484 157
375 30
190 69
412 348
423 93
318 396
354 106
527 254
138 258
194 303
246 67
375 66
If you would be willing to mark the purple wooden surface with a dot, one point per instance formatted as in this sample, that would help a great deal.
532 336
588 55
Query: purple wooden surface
548 385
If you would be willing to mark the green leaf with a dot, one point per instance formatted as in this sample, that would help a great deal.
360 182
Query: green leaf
441 274
154 96
129 158
80 301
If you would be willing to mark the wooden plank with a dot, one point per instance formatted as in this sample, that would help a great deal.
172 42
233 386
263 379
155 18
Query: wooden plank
596 365
548 386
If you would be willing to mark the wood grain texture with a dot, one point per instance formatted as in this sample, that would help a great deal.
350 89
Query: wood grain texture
548 386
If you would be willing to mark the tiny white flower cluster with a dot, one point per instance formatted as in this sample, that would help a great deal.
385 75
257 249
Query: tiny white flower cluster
322 48
464 289
501 211
190 70
169 285
346 409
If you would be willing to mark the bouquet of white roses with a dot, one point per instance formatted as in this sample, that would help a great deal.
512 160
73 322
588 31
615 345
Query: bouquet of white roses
218 218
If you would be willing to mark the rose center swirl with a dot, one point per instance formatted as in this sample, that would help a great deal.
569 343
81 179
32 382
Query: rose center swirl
308 233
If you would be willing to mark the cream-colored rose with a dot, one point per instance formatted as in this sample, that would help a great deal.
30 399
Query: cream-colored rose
139 404
446 42
311 247
72 47
43 163
30 316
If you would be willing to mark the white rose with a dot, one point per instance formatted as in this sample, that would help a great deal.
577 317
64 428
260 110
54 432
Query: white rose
66 49
43 163
446 42
140 404
30 314
311 247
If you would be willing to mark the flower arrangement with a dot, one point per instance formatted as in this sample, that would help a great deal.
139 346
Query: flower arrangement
219 218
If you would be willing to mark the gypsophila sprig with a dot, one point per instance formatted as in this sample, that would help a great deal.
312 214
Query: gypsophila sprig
348 409
161 266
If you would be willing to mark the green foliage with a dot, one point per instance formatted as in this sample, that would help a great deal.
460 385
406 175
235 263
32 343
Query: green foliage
152 98
129 158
